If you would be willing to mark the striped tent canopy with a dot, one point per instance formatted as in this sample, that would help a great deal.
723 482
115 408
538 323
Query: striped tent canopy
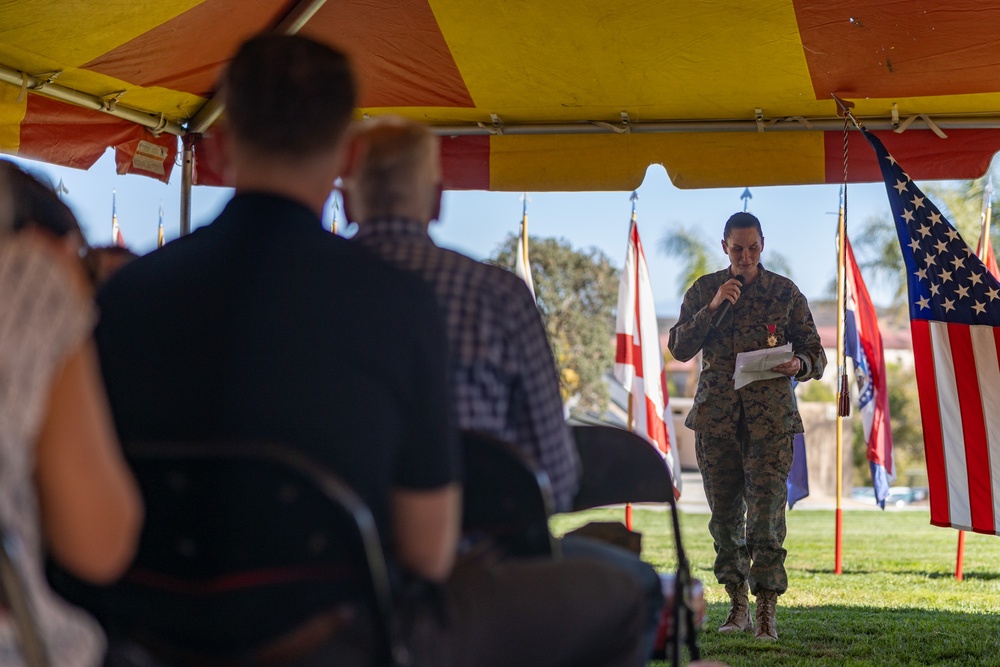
528 95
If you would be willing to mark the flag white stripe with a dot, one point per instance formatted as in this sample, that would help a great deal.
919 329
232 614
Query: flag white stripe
952 432
988 370
639 406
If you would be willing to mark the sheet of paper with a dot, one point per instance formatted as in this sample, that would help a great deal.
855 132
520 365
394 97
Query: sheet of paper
757 364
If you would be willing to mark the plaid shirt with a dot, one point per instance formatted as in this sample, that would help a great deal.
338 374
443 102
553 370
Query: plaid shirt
502 368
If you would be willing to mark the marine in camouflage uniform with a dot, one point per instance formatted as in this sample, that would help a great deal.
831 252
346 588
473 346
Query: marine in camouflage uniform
743 438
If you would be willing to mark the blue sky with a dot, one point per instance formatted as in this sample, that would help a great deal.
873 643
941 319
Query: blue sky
799 221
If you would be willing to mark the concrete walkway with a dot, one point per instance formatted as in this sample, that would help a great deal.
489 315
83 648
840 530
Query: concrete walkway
693 500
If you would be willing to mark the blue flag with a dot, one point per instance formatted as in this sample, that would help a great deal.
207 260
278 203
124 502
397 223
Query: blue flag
798 476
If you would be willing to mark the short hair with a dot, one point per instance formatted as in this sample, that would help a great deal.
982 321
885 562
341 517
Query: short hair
288 95
741 220
399 157
34 203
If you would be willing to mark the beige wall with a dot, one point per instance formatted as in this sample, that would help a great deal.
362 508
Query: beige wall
821 444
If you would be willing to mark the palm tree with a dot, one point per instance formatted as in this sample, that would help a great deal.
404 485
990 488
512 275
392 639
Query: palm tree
687 244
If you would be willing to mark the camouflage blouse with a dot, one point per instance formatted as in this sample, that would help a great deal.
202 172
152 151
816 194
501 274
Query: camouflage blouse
770 306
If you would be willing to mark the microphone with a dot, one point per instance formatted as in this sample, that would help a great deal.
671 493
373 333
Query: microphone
724 308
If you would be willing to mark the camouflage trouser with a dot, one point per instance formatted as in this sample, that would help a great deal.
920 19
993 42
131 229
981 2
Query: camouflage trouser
745 485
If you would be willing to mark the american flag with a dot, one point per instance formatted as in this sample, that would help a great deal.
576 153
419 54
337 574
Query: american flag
639 360
863 344
954 318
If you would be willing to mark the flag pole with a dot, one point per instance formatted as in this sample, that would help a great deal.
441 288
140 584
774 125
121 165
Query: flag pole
114 216
844 397
159 229
628 506
984 239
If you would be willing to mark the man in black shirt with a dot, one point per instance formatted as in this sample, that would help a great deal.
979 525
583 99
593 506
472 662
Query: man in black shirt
264 326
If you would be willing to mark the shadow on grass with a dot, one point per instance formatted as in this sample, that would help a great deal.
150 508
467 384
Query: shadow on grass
861 636
980 576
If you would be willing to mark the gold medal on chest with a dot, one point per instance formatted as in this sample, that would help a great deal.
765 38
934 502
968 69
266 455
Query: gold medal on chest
772 339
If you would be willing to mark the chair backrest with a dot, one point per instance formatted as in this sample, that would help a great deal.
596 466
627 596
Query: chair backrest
242 543
506 498
14 596
619 467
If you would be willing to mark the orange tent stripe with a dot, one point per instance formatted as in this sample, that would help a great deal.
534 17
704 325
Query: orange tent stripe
68 135
187 52
400 56
896 49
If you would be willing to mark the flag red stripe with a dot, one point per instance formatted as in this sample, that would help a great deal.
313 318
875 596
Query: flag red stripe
937 476
656 428
629 353
625 349
973 425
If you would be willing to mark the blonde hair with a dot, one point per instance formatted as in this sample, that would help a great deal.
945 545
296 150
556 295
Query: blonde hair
398 170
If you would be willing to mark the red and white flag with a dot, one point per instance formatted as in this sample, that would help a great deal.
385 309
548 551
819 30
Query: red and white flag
955 321
638 359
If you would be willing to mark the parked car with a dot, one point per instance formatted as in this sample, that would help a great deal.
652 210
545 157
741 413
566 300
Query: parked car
899 496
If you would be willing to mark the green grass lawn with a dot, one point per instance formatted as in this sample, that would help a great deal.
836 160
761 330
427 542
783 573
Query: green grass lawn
896 603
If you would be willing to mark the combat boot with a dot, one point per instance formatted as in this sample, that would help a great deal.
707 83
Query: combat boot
738 619
767 610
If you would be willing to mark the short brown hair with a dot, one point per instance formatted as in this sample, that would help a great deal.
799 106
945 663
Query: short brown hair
742 220
288 95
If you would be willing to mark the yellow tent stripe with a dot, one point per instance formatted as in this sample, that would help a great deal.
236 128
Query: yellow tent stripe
11 115
619 162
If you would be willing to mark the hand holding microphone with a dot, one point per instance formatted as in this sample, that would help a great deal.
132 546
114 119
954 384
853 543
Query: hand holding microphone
728 292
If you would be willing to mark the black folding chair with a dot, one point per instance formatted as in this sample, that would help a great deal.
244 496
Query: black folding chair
506 498
243 542
622 467
14 597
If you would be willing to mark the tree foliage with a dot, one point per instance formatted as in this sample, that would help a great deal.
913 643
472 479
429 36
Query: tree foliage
577 293
905 424
688 245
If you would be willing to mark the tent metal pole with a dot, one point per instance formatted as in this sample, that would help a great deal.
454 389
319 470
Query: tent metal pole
187 171
294 21
665 127
42 86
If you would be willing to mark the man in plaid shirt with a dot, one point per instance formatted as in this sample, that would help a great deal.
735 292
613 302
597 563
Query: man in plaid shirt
503 374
